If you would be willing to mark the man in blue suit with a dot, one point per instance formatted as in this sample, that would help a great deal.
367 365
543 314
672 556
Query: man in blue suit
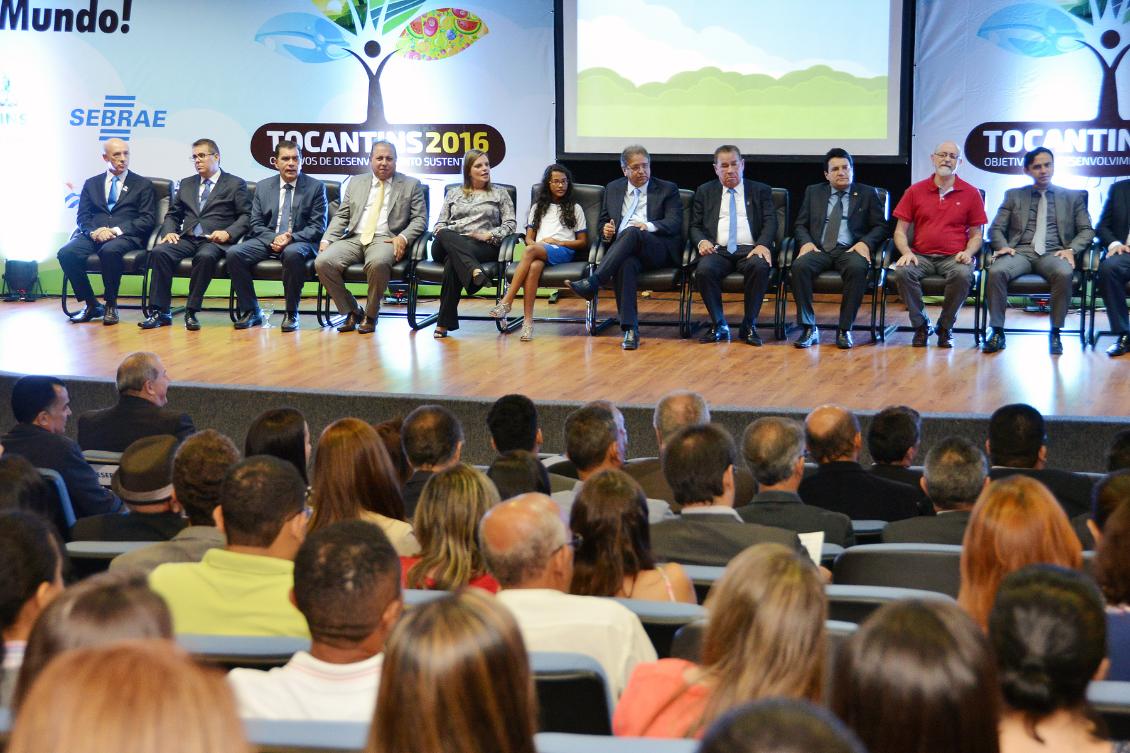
288 217
117 210
642 223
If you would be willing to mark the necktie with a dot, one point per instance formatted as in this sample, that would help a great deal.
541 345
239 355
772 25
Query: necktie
832 229
113 198
284 213
370 228
1040 237
199 229
631 208
732 243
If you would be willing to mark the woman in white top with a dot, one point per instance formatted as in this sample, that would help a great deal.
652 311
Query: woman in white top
555 231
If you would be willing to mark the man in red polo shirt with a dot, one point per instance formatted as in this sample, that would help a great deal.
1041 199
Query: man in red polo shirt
948 215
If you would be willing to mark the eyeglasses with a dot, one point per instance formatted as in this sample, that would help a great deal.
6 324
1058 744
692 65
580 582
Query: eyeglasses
642 167
558 182
202 156
947 155
574 543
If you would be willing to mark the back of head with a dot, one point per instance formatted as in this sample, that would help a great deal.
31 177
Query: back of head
431 435
345 577
610 516
518 537
1016 522
460 664
21 486
135 370
1048 630
133 697
513 423
200 466
893 431
1016 434
517 472
30 556
589 432
955 472
1112 561
830 432
931 662
1118 456
780 725
389 432
676 411
259 495
33 394
1108 495
695 462
281 433
352 474
771 446
451 505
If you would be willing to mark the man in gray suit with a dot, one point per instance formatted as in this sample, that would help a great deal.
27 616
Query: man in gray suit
1039 228
382 214
288 217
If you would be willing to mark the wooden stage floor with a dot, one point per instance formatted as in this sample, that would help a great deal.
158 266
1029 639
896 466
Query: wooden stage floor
562 363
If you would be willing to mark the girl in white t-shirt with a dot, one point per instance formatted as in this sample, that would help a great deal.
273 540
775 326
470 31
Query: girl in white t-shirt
555 231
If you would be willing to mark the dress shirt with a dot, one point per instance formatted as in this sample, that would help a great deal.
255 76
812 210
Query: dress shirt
309 688
121 188
640 215
200 191
745 238
381 230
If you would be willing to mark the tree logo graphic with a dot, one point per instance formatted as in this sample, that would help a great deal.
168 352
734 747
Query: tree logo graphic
356 29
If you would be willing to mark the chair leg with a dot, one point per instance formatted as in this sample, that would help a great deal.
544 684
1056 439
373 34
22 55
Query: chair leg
63 297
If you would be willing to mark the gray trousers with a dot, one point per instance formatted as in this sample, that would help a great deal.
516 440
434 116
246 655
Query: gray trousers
1055 270
378 258
908 280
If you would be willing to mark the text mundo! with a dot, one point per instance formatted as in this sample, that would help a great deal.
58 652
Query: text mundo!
21 15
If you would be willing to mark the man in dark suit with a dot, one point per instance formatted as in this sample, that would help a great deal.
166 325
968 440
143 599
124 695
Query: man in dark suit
699 465
1017 444
841 224
211 211
641 220
1114 271
116 212
143 393
892 439
433 441
288 217
1038 229
840 483
41 407
956 471
733 226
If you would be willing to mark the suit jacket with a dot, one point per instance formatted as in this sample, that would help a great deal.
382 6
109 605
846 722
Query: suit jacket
157 526
116 428
412 489
909 476
228 208
866 218
788 511
946 528
1071 217
759 211
664 210
648 472
1114 225
407 212
844 486
712 539
1072 491
134 213
308 210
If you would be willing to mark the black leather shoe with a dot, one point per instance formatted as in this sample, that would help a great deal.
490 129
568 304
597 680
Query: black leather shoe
584 288
995 342
89 312
247 319
945 337
809 336
368 326
352 319
717 334
749 336
843 339
922 335
290 322
479 280
111 316
160 319
631 339
1055 345
1121 346
190 322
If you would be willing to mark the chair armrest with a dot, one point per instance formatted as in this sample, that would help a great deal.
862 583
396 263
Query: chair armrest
419 250
506 248
786 255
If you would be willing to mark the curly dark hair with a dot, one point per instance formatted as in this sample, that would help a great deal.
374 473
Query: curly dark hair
545 198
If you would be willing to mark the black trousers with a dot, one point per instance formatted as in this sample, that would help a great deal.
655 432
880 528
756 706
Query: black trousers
72 259
1114 273
246 255
632 251
713 268
460 255
205 255
851 266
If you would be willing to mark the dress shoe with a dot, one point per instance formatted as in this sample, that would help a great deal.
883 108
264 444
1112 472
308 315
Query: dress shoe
352 319
995 341
631 339
290 321
1121 346
945 337
160 319
90 312
809 336
749 336
111 316
368 326
248 319
190 321
717 334
922 335
584 288
1055 346
478 282
843 339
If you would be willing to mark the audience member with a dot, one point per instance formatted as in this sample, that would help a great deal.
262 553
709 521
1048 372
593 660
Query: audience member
1016 522
894 439
929 661
354 478
433 440
347 586
22 487
517 472
1118 456
955 473
459 664
199 467
389 432
613 558
528 551
1112 572
780 725
244 588
840 483
765 638
447 523
513 424
1108 495
699 465
774 449
143 386
144 481
282 433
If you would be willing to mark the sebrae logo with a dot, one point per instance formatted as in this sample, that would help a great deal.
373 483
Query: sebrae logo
11 114
351 29
1098 147
117 117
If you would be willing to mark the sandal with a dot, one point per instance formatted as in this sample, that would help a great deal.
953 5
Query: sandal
527 332
500 310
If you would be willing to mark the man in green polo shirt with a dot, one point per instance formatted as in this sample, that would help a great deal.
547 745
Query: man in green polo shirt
244 588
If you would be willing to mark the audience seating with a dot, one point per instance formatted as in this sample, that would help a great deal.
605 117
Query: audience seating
687 643
703 577
254 651
856 603
661 619
1111 701
556 742
104 464
930 567
301 735
573 694
868 531
62 512
91 557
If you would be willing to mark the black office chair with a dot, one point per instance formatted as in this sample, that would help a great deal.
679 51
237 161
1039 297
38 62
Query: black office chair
1097 257
662 619
857 603
929 567
572 692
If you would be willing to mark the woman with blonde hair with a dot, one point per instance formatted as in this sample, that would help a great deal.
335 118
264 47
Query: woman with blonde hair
1016 522
460 665
134 697
354 479
446 524
765 637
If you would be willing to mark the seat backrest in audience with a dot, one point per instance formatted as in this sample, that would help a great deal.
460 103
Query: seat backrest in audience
573 694
687 643
302 735
930 567
415 596
254 651
856 603
1111 701
661 619
556 742
104 464
703 577
63 512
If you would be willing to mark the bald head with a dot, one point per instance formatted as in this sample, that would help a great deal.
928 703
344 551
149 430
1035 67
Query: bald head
522 540
676 411
115 153
832 433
